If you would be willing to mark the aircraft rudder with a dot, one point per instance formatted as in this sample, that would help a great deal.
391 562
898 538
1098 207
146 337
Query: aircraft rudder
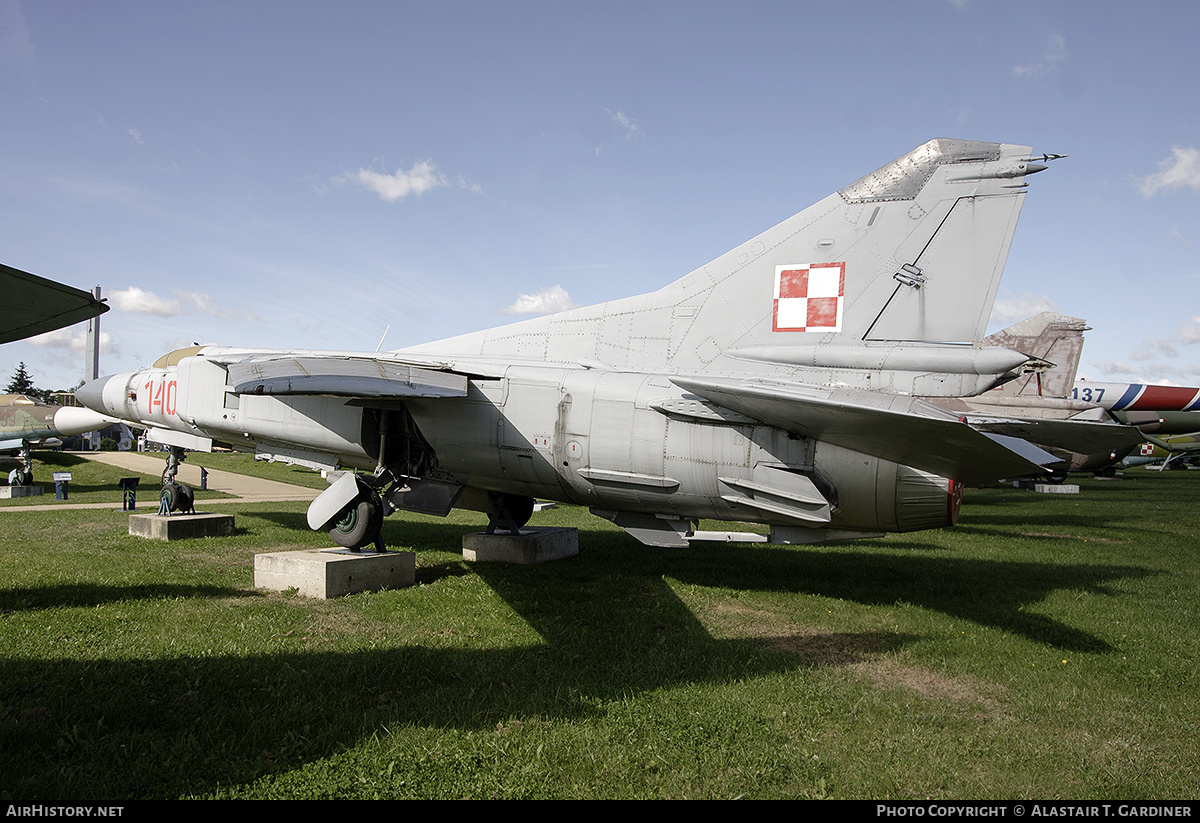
911 252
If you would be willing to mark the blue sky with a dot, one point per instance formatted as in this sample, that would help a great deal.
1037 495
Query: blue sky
308 175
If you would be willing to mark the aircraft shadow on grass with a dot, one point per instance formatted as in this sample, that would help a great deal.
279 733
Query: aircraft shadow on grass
610 624
91 595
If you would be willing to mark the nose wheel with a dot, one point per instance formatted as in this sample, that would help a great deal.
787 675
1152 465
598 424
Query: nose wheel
175 496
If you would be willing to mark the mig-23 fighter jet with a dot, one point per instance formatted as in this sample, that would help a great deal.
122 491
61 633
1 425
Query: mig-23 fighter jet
777 384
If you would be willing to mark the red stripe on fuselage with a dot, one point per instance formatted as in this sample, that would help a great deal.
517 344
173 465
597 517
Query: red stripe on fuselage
1164 398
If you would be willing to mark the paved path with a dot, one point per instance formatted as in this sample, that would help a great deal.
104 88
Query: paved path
241 486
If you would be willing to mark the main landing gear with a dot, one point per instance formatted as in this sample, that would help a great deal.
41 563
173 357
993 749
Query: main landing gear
24 475
508 512
360 522
352 509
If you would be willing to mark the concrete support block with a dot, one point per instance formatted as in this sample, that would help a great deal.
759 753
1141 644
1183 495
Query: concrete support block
180 526
1056 488
529 547
9 492
327 573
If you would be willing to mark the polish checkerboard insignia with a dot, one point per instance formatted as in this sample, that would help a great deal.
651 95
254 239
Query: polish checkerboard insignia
809 297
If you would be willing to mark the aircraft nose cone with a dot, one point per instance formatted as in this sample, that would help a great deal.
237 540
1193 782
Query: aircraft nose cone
91 394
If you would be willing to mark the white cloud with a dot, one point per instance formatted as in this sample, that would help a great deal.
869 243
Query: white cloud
623 120
1180 170
1009 309
1155 373
1154 349
139 301
63 353
206 305
1055 53
422 177
135 136
469 185
73 339
546 301
1165 346
1146 361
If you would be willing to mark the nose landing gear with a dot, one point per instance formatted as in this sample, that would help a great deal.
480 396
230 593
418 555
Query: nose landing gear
175 496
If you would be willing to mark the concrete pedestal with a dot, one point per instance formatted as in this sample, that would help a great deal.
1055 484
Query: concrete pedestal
9 492
180 526
529 547
326 573
1056 488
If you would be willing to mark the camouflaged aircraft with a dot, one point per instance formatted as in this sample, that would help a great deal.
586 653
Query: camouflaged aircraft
1171 451
777 384
25 423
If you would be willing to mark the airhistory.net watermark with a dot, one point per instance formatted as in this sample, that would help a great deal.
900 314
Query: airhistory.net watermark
46 810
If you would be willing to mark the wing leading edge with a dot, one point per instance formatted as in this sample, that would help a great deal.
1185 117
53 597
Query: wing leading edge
32 305
343 376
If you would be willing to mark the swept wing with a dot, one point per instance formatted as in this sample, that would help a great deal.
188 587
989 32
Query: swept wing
32 305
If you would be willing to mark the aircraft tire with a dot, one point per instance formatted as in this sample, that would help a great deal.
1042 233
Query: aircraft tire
359 522
519 506
168 497
185 497
179 497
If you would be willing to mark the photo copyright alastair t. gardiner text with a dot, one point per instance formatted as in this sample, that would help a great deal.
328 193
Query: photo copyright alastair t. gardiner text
1038 810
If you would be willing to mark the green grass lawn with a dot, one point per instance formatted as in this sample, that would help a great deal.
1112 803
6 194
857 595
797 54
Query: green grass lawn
1045 648
93 482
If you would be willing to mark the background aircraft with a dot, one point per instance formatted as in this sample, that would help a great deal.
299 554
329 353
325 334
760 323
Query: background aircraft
776 384
1154 409
32 305
25 423
1091 426
1170 451
1037 405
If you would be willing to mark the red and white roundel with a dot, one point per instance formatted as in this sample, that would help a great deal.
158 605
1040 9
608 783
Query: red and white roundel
809 297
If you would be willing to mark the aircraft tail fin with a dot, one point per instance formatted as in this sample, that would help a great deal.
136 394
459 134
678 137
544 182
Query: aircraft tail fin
911 253
1054 339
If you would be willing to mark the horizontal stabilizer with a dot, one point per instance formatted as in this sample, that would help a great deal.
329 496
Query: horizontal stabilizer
1174 444
892 427
1079 436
